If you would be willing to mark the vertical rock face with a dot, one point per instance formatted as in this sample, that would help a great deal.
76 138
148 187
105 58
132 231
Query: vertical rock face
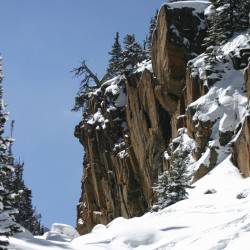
247 79
130 120
241 149
149 128
123 151
177 39
241 146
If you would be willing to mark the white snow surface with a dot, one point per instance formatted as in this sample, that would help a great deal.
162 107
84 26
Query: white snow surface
219 220
198 6
146 64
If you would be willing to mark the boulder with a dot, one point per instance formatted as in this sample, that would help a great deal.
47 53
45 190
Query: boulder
61 232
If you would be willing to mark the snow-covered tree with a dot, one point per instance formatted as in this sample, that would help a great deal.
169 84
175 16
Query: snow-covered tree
242 18
172 184
115 66
8 226
27 216
15 197
133 53
226 17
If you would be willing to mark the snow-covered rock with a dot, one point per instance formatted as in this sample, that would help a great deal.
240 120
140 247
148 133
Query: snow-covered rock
217 104
61 232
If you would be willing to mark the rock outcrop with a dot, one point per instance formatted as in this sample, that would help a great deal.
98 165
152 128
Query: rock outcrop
241 145
130 120
123 151
177 39
241 149
133 124
130 123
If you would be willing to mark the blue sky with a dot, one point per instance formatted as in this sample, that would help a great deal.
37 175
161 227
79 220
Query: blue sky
41 41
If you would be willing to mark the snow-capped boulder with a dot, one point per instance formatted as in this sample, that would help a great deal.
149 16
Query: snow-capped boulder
61 232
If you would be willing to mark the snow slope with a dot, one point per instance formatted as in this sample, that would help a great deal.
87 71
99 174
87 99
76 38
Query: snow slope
36 244
216 216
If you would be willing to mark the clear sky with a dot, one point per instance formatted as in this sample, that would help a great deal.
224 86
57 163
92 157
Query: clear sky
41 41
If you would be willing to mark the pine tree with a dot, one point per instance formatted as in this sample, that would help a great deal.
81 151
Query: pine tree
27 215
7 211
242 18
172 185
226 17
36 227
148 42
15 197
218 25
133 53
229 16
115 62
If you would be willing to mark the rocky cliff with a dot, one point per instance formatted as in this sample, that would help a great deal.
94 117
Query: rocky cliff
133 123
241 144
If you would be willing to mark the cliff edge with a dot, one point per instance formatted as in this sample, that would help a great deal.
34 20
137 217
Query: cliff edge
133 123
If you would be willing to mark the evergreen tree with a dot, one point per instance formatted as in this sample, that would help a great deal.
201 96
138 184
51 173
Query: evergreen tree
171 186
148 42
228 16
27 215
115 62
36 227
242 18
8 226
218 25
15 197
133 53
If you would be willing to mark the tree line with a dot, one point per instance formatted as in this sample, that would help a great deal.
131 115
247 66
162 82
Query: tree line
16 207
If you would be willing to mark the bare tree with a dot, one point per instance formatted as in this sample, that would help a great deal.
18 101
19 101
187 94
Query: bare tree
89 78
88 82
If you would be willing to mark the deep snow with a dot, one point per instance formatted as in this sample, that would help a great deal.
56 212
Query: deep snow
216 216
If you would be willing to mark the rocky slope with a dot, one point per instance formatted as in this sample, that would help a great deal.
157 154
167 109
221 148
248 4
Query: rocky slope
133 123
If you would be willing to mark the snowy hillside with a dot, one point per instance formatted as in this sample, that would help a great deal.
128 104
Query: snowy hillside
216 216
